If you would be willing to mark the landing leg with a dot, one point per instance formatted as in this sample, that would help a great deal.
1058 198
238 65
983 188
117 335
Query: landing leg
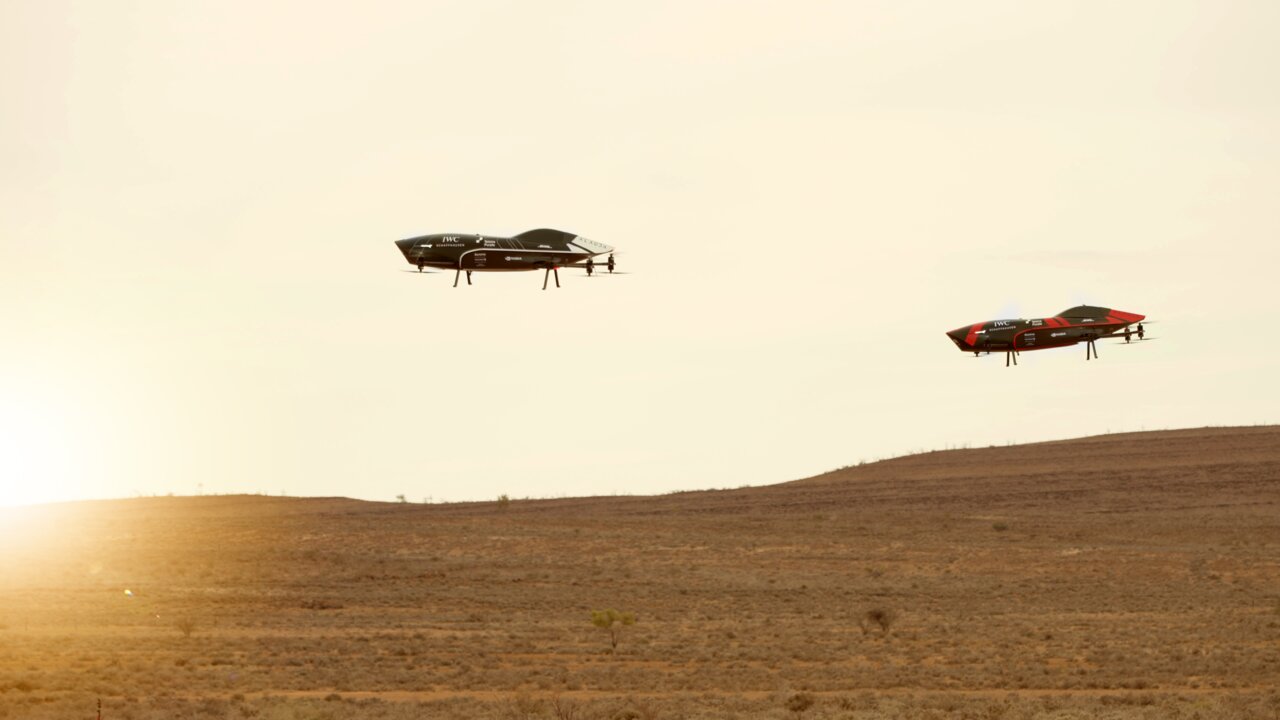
556 270
456 276
468 277
419 268
545 278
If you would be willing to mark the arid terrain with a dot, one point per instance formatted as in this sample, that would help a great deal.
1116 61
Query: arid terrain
1129 575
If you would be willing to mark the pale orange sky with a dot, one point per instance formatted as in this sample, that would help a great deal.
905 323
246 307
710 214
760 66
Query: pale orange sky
198 200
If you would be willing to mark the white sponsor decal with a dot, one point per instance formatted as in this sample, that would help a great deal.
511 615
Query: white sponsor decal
580 244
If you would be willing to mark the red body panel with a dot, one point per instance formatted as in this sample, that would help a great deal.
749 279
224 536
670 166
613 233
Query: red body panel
1079 324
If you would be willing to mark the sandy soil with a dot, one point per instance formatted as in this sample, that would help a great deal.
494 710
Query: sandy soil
1133 575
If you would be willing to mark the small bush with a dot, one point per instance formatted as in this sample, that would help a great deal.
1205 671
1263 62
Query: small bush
565 709
877 617
524 706
185 625
999 527
504 501
613 621
799 702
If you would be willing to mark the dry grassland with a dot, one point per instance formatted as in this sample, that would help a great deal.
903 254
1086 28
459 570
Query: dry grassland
1122 576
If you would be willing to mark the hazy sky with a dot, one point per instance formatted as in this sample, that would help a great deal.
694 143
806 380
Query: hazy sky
198 201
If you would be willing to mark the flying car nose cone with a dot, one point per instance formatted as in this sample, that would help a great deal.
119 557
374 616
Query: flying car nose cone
959 337
406 247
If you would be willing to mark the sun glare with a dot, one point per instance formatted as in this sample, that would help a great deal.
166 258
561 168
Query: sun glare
37 450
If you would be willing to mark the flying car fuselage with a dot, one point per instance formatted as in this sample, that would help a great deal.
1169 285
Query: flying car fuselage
1083 323
533 250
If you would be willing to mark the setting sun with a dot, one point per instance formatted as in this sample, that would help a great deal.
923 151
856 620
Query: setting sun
38 447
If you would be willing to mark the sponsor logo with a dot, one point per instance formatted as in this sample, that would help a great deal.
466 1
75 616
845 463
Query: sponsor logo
592 243
1058 334
510 257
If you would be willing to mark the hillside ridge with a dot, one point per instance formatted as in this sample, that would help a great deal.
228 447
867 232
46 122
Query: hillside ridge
1084 468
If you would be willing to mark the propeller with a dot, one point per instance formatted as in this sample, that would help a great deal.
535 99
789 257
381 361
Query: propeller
1133 341
592 266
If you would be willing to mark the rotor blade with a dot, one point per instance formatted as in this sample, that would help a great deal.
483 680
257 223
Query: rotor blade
1133 336
599 268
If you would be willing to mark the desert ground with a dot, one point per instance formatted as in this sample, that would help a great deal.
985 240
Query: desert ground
1119 576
